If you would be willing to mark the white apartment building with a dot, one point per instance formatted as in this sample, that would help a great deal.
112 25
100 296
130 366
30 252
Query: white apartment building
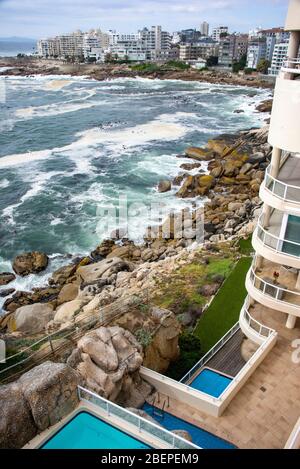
279 56
204 28
217 32
257 48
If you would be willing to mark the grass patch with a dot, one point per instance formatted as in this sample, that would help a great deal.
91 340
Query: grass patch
180 292
224 310
245 246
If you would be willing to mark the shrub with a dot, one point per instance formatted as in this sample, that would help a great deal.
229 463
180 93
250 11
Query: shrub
190 354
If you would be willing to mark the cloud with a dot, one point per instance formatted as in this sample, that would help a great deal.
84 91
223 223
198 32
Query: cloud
47 17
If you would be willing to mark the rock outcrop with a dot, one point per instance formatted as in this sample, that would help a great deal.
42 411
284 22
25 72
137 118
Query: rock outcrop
110 359
39 399
30 263
31 319
164 186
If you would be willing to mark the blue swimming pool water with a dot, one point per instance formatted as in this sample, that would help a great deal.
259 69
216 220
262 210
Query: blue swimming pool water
292 234
211 382
88 432
200 437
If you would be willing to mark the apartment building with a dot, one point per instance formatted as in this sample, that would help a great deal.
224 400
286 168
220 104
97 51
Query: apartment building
257 48
232 48
203 49
279 56
218 32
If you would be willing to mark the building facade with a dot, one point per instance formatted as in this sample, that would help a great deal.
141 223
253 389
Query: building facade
257 48
218 32
204 28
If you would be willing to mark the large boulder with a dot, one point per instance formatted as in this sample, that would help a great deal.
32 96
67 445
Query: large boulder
164 186
68 293
31 319
68 311
6 278
16 422
50 390
103 269
200 154
103 249
110 361
30 263
61 276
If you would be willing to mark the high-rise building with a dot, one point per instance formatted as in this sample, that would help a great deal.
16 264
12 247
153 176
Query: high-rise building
257 49
204 28
232 48
219 32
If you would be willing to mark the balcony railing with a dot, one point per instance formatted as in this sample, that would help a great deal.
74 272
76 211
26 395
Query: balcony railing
286 192
259 329
272 290
277 243
291 65
142 425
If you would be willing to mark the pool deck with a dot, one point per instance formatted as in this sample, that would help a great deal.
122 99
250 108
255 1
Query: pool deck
265 411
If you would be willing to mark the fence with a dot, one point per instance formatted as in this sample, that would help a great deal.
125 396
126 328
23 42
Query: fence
143 426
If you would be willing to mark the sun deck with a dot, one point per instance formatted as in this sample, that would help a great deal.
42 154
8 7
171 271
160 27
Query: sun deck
265 410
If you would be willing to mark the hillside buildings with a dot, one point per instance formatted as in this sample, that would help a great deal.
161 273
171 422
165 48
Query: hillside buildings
219 32
204 28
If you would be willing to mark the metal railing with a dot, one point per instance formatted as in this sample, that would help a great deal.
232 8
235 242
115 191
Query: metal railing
33 354
210 353
286 192
276 243
258 328
142 425
291 65
274 291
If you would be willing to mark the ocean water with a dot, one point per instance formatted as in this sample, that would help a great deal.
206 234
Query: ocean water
11 48
71 146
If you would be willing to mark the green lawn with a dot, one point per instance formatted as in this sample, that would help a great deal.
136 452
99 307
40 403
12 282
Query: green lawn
245 246
224 311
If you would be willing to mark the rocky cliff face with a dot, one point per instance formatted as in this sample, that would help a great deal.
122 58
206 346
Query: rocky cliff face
39 399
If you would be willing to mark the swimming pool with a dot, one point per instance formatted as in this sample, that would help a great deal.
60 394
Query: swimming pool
199 436
85 431
292 233
211 382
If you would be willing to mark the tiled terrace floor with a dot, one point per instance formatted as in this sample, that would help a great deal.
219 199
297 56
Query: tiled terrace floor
264 412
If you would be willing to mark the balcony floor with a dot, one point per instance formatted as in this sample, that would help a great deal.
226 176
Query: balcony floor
264 412
287 280
229 359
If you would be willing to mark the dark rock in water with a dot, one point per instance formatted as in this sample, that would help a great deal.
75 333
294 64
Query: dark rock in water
190 166
6 278
30 263
7 292
238 111
177 181
164 186
265 106
103 249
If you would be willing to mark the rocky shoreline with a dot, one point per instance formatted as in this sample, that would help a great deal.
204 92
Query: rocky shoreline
31 67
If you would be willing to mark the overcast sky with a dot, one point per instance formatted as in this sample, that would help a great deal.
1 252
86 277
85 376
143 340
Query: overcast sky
41 18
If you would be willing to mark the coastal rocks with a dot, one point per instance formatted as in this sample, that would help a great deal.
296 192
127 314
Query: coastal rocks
30 319
110 360
16 423
67 311
38 295
30 263
103 269
196 185
61 276
6 278
6 292
209 289
200 154
265 106
190 166
103 249
50 390
68 293
39 399
164 186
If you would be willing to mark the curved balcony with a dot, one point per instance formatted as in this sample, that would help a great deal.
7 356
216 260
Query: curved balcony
253 329
283 192
276 296
272 245
284 130
291 66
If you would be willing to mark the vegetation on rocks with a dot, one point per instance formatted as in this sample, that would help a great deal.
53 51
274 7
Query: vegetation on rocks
190 354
